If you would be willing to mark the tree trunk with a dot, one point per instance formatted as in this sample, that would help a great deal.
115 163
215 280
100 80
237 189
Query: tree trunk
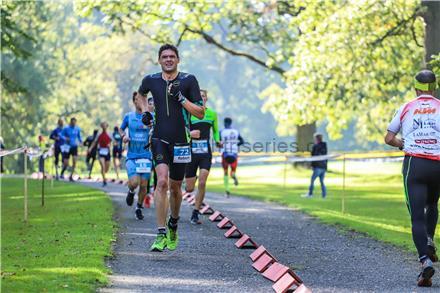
432 29
304 137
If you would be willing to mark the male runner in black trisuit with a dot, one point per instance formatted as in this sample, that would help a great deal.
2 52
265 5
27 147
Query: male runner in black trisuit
176 97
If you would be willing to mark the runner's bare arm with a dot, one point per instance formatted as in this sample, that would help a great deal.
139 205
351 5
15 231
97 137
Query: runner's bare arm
92 145
193 109
392 140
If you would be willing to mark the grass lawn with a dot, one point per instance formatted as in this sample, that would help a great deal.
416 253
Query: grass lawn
63 245
374 197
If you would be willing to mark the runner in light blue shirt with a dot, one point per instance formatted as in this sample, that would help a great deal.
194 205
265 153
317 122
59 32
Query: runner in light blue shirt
138 162
72 137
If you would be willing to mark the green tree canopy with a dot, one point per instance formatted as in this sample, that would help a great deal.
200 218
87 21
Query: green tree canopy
340 61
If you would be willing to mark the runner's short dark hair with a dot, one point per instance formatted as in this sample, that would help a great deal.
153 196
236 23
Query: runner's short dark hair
168 47
228 121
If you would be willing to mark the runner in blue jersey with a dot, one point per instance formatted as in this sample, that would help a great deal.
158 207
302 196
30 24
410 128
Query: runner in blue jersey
72 137
138 162
56 136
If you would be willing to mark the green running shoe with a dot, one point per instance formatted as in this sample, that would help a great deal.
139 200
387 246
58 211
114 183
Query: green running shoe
160 243
173 239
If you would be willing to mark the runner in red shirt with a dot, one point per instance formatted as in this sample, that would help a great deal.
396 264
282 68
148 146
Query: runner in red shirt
104 142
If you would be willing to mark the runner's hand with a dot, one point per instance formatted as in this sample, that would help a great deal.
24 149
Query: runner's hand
219 144
402 144
174 91
125 139
195 133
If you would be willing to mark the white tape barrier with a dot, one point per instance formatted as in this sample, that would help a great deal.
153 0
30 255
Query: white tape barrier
293 159
314 158
30 152
12 152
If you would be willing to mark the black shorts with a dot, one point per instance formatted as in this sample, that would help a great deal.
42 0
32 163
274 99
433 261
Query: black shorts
163 153
106 157
117 152
202 161
72 152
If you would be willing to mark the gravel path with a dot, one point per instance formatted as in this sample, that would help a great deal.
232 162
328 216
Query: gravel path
326 259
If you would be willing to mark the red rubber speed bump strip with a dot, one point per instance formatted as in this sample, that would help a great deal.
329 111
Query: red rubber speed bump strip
225 223
186 194
216 217
206 210
303 289
245 241
275 271
258 252
233 232
263 262
285 282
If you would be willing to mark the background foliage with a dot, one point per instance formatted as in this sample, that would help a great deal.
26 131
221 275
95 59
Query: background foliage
269 65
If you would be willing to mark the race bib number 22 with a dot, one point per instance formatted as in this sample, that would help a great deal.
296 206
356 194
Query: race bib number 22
182 154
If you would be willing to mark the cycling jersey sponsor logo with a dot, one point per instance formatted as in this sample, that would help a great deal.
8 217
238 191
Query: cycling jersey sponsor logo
426 141
423 124
425 111
419 134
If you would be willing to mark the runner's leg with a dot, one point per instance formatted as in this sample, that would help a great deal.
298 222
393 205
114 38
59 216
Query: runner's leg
141 195
74 159
432 216
234 170
133 181
160 194
225 175
91 164
417 194
190 184
65 163
116 164
175 197
203 177
57 160
143 190
102 164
